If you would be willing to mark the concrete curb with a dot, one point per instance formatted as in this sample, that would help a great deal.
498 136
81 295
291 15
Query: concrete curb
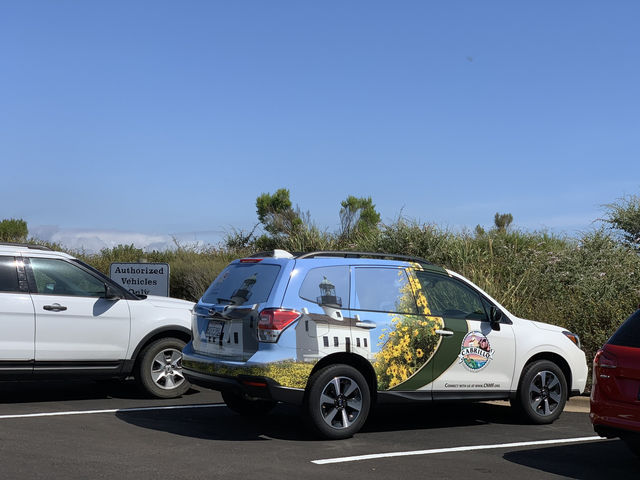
575 404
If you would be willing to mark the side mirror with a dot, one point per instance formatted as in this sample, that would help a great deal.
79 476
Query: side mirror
110 293
495 315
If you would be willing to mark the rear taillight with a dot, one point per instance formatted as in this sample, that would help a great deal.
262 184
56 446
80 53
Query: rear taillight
273 321
603 363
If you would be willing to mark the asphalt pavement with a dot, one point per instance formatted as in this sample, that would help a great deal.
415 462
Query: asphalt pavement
109 430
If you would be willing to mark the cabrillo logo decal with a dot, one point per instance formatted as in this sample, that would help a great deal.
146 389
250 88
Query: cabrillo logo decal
475 351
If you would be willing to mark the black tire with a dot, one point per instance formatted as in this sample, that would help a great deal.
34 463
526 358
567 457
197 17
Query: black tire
245 405
159 368
338 401
542 393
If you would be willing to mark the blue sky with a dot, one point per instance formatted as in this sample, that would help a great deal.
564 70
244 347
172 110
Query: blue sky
127 122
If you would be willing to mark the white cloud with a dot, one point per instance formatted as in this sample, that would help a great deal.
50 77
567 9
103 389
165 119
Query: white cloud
92 241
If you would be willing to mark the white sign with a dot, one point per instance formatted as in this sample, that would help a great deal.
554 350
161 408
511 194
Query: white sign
142 278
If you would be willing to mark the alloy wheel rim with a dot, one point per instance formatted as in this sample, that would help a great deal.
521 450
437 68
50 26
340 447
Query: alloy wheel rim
545 393
340 402
166 369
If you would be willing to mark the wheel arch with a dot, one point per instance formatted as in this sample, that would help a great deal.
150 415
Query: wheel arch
554 358
356 361
172 331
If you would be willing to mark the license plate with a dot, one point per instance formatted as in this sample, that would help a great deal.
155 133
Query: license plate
214 330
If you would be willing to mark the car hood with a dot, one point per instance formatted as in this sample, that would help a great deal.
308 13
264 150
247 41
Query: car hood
168 302
546 326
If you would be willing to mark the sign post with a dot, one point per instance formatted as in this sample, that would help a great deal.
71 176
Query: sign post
142 278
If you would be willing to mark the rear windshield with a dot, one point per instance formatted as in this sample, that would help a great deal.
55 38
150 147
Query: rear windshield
242 284
628 335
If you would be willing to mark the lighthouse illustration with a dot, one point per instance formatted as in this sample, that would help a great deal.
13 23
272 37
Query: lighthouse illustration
330 303
241 295
320 334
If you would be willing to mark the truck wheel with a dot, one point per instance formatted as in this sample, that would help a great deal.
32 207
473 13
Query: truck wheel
159 368
247 406
542 393
337 401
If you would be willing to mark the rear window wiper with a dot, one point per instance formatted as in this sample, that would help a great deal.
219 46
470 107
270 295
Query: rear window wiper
230 302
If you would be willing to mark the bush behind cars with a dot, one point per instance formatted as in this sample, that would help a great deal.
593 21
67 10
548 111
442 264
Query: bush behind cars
588 284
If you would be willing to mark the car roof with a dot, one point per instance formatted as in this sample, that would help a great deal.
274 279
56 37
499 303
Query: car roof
13 248
337 257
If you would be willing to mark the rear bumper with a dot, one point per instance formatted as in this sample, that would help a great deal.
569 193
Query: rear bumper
615 419
253 380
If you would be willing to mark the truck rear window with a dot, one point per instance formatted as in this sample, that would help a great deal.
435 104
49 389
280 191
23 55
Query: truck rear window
628 335
242 284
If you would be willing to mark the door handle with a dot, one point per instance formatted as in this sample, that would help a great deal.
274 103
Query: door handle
444 333
364 323
56 307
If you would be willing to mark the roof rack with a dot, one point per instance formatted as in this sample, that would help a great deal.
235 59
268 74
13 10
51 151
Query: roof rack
32 246
276 253
347 254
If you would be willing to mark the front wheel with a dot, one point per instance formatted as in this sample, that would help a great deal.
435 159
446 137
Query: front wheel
159 369
338 401
542 393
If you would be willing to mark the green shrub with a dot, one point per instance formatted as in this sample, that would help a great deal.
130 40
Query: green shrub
588 285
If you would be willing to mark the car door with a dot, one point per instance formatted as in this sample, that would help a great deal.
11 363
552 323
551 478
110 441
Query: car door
474 359
76 327
397 337
17 318
325 326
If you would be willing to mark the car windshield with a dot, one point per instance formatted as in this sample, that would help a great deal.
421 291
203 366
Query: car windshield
628 335
242 284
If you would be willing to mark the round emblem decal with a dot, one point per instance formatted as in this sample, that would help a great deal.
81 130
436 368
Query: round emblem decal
475 351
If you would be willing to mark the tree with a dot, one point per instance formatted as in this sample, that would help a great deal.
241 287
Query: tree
358 214
502 221
624 216
13 230
276 214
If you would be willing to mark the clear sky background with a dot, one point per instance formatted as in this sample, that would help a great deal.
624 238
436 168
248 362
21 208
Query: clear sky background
126 121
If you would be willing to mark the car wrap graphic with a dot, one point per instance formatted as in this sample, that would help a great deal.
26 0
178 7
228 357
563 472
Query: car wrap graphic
475 352
405 349
421 355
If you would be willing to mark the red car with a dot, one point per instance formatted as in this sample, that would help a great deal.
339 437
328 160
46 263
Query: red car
615 393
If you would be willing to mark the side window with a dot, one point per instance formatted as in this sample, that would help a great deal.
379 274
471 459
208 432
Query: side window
9 275
383 290
447 297
57 277
327 286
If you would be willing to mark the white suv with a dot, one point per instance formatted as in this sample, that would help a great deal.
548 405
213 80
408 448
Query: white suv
62 318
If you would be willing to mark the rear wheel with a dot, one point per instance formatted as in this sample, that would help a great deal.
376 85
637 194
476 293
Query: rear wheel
159 369
338 401
245 405
542 393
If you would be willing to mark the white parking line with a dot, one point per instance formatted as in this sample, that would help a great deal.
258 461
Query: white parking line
358 458
113 410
